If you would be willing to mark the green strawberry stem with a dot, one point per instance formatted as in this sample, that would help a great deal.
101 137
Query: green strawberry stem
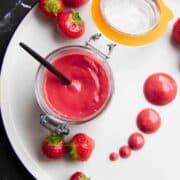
54 138
72 151
53 6
76 17
84 178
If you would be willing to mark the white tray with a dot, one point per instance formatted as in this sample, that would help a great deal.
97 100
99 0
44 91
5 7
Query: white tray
160 157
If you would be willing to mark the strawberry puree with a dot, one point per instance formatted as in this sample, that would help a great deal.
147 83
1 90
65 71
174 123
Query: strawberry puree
113 156
125 151
88 92
136 141
148 121
160 89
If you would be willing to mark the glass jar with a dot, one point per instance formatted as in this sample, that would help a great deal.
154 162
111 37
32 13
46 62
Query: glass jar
131 22
50 118
133 17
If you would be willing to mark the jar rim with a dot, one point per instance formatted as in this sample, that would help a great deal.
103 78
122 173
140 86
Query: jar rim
156 9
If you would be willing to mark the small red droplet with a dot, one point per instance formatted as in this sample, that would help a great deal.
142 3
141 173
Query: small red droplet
125 151
136 141
148 121
113 156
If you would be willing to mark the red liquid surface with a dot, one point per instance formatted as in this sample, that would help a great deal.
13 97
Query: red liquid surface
160 89
88 92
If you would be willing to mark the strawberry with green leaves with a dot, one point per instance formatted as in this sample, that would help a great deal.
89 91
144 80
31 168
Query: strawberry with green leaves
71 24
80 147
51 8
176 32
79 176
53 147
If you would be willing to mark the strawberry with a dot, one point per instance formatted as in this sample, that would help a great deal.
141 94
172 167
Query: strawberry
54 147
80 147
75 3
176 32
51 8
79 176
71 24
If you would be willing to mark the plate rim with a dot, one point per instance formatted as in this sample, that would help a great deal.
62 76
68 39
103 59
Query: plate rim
17 147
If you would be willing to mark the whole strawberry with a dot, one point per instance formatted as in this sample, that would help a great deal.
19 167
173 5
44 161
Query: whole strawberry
75 3
176 32
51 8
53 146
80 147
79 176
71 24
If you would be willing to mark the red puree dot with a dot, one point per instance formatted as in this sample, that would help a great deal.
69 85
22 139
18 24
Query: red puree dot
136 141
125 151
160 89
113 156
148 121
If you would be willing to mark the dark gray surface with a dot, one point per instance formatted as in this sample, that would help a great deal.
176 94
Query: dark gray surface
10 166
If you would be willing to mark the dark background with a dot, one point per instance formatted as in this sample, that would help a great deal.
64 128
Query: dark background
10 166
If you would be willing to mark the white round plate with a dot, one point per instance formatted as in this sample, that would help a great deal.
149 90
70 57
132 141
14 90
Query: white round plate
160 157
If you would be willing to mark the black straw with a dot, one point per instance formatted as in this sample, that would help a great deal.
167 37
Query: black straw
45 63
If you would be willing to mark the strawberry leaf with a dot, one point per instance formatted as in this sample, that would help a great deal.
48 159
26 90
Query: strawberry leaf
54 139
76 17
53 6
84 178
72 151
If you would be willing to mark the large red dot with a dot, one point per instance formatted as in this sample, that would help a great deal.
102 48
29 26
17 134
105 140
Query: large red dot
160 89
148 121
136 141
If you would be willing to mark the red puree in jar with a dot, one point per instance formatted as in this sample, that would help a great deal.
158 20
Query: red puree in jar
88 92
160 89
